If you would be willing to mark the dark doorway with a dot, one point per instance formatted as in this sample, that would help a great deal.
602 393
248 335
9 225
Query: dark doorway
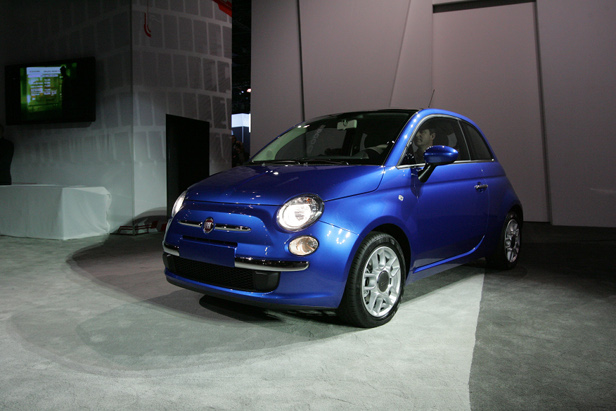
188 155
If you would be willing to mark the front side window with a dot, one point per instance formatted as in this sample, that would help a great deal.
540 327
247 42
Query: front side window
353 138
435 132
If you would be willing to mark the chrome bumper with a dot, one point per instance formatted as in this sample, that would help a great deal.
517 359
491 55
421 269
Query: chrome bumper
251 263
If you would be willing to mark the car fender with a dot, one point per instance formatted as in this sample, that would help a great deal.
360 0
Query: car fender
498 211
363 214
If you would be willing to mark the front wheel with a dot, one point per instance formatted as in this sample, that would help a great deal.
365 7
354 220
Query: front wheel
508 250
375 284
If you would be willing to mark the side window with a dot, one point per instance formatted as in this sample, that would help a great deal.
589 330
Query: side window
478 147
435 132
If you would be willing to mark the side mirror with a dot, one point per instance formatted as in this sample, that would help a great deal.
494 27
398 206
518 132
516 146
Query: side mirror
437 156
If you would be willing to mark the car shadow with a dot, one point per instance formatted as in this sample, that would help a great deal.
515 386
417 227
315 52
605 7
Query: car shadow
132 265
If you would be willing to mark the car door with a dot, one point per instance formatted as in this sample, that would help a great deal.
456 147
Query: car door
451 210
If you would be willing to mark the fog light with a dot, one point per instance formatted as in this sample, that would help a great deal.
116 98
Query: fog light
304 245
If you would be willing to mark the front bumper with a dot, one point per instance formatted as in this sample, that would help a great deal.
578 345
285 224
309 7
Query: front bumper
254 266
225 277
251 263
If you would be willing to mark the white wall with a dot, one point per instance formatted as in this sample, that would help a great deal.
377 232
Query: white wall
96 154
183 69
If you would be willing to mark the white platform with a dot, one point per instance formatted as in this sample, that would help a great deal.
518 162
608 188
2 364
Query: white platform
54 212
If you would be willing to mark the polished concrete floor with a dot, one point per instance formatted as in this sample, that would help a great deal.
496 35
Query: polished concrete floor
92 324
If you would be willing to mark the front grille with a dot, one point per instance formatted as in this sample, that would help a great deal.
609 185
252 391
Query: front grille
221 276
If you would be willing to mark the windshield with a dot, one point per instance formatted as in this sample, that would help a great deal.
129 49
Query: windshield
353 138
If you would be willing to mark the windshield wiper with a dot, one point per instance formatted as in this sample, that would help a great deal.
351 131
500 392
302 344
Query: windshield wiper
302 161
325 161
275 162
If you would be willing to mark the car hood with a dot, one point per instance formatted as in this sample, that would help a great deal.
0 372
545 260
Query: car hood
274 185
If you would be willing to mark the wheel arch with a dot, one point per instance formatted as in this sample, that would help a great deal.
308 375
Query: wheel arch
398 234
517 208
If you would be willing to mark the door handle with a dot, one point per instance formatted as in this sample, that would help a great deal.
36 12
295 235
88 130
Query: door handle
481 187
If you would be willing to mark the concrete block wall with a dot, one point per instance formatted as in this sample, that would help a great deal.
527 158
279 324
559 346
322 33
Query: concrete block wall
183 68
89 154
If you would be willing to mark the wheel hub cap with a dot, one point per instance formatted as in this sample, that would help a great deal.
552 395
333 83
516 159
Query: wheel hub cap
512 241
383 281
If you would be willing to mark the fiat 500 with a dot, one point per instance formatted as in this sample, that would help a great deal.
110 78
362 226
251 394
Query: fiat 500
342 211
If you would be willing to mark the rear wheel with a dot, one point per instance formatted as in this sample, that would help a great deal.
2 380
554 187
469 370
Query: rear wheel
375 284
506 254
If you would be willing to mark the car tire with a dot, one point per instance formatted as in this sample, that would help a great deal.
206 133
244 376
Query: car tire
507 252
375 284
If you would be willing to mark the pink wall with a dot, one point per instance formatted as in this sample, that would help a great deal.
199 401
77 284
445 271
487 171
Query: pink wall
578 55
558 149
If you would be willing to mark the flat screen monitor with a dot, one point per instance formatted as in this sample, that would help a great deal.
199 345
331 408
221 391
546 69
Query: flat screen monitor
62 91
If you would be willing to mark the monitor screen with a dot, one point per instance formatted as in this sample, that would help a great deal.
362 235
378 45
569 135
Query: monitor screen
62 91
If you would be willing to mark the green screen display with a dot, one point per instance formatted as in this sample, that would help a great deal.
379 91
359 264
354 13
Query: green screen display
52 92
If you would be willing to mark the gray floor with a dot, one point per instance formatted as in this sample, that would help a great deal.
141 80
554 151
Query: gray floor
92 324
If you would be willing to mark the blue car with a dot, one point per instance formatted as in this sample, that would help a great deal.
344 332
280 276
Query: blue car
342 211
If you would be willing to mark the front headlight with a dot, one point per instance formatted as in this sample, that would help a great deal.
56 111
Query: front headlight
178 204
300 212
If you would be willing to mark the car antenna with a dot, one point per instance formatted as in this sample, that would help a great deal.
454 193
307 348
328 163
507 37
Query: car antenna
431 97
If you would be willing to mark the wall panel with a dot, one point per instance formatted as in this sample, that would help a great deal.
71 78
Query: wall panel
276 99
332 56
578 55
350 52
486 67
